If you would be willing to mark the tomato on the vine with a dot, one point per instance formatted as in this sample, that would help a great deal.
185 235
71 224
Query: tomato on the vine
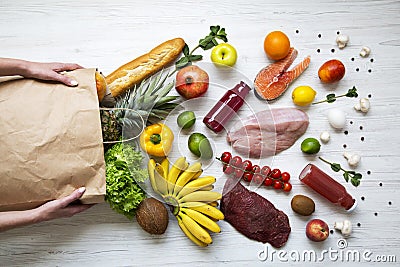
287 187
268 181
236 162
238 173
276 173
244 169
285 177
247 166
277 184
226 157
256 169
258 178
228 169
266 171
248 176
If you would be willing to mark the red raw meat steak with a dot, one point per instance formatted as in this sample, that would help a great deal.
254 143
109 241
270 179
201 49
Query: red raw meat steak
254 216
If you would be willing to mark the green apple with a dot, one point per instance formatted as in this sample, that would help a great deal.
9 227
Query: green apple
224 54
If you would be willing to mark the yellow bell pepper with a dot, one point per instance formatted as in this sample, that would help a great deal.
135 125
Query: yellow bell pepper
157 140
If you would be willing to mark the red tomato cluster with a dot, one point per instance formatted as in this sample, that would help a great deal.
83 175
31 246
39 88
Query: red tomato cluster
244 169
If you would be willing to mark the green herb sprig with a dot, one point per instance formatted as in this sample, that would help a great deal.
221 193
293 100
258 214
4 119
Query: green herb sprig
206 43
330 98
353 176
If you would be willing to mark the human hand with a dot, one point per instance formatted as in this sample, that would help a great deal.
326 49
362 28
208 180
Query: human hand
51 71
61 207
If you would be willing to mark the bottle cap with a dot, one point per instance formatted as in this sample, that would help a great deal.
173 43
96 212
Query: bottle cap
353 207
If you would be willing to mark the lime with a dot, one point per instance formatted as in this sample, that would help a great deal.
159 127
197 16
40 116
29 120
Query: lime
186 119
200 146
310 146
303 95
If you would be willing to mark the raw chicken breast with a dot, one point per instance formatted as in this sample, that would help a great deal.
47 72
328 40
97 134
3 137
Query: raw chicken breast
268 132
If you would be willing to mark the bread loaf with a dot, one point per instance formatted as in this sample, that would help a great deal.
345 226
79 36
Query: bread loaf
126 76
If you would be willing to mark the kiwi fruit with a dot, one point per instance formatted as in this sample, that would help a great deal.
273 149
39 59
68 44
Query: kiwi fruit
302 205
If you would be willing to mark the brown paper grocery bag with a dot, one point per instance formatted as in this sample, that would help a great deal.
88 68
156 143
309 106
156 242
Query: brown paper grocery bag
50 141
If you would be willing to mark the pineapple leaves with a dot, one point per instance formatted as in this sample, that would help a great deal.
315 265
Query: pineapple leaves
166 106
166 90
149 99
165 99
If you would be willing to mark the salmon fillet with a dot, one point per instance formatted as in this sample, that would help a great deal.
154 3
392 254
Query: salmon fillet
273 80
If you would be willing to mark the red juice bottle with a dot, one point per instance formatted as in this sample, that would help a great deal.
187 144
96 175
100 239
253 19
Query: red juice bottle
322 183
226 107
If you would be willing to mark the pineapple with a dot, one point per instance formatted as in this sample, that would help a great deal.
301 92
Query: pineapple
149 100
110 127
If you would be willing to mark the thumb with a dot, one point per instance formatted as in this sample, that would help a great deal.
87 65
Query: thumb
77 194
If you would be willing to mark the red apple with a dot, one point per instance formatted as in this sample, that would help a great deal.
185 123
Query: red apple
191 82
331 71
317 230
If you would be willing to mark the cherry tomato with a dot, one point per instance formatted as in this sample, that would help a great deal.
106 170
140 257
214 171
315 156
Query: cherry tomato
248 176
238 173
258 178
277 184
236 161
256 169
266 171
276 174
226 157
285 177
247 166
228 169
287 187
268 181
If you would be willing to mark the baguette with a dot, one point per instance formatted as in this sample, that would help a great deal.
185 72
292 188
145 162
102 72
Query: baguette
126 76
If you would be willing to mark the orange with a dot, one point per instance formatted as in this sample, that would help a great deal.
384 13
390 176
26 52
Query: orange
276 45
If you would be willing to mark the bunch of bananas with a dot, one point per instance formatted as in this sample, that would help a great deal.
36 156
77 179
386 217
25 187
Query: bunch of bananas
190 197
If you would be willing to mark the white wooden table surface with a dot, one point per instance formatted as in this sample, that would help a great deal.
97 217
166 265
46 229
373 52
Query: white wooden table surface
106 34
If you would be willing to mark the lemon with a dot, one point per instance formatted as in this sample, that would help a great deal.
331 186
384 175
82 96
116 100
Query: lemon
303 95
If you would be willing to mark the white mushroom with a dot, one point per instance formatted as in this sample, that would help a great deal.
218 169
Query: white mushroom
363 105
345 227
352 158
325 137
342 40
365 51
